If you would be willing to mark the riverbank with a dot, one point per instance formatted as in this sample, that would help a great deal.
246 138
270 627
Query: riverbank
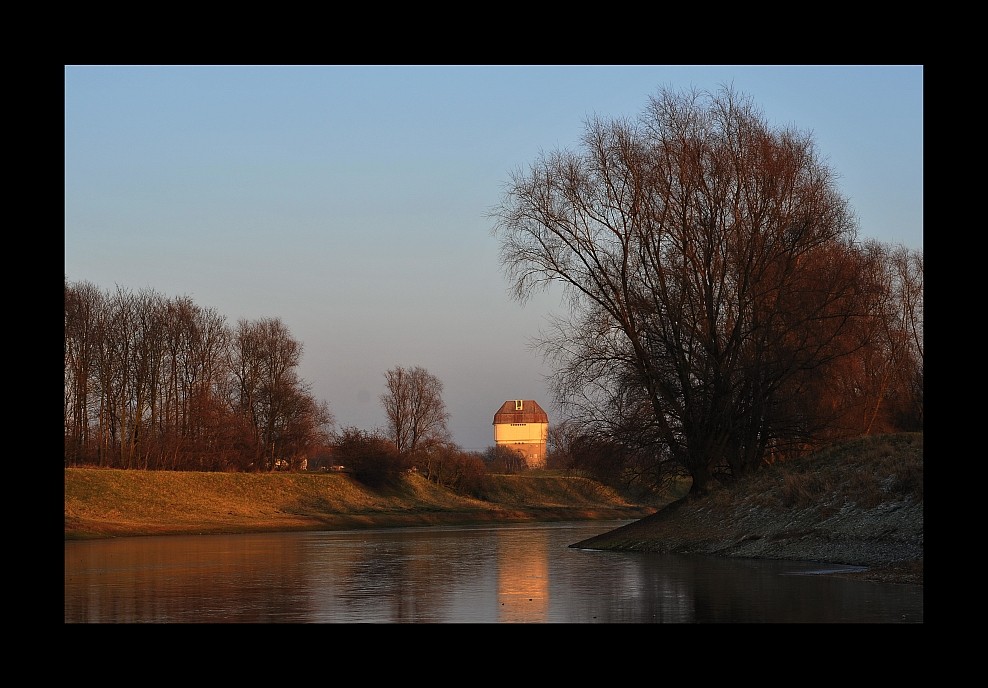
859 503
103 503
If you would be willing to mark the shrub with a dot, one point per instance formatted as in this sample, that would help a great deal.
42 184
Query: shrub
372 459
457 470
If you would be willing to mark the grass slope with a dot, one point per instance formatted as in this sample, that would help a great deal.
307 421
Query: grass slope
116 503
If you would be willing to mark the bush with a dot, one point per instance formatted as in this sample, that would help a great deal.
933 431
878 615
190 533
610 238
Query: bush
372 459
457 470
501 459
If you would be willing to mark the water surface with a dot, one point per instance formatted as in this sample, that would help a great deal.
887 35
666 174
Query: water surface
516 573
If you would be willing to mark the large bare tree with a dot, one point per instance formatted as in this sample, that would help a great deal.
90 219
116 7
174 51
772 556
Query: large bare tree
415 408
712 274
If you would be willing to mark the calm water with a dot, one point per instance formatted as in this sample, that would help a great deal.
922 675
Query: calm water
518 573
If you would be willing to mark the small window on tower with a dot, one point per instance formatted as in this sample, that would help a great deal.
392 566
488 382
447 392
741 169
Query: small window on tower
518 404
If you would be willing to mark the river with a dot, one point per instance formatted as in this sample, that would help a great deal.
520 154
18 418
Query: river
513 573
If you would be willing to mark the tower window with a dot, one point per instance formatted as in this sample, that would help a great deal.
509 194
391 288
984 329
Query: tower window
518 405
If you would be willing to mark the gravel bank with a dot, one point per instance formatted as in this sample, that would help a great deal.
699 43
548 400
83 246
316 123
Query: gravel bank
887 540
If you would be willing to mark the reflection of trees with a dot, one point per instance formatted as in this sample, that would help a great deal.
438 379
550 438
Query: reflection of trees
179 579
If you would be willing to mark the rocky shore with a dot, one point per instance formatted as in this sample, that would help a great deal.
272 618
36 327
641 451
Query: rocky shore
887 541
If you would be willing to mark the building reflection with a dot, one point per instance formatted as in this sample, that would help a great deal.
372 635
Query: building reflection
523 577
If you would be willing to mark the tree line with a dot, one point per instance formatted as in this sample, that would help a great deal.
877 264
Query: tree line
160 383
722 312
157 382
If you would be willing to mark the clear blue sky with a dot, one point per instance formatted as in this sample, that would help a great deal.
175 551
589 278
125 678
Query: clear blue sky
352 202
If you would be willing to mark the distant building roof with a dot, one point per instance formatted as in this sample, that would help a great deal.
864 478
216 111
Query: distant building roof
530 412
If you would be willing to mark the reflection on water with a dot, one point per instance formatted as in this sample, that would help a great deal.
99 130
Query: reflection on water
518 573
523 576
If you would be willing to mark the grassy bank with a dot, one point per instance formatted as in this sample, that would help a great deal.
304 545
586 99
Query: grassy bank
103 503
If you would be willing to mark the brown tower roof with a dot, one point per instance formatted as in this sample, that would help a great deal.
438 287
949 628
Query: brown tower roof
530 412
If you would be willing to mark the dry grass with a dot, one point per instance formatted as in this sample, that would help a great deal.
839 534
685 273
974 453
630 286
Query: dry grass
865 472
549 490
109 503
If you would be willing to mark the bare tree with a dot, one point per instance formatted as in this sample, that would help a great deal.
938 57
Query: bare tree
711 269
908 289
197 342
303 426
81 303
883 380
415 408
114 378
263 362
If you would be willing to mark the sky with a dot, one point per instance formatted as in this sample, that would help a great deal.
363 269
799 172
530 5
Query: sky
353 202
